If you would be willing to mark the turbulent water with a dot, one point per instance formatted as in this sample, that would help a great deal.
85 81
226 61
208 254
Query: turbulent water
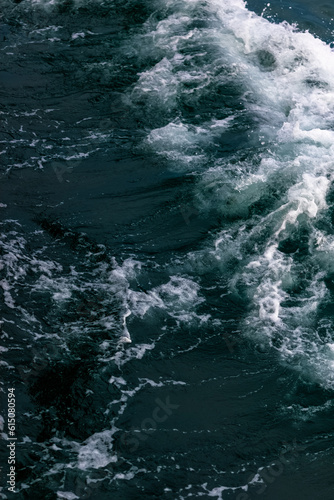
167 248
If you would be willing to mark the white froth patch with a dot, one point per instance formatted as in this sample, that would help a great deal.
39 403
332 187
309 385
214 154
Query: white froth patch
119 381
180 292
9 301
78 35
177 142
179 297
331 346
137 352
97 451
183 144
159 82
218 491
68 495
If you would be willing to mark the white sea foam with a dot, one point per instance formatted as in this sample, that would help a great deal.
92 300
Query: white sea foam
179 295
302 81
97 451
68 495
286 83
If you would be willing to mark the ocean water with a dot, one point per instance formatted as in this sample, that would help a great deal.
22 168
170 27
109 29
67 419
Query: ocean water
167 248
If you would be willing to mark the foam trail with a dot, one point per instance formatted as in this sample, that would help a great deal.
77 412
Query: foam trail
298 83
274 199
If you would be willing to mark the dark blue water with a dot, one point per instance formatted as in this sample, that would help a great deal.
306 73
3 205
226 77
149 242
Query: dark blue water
166 250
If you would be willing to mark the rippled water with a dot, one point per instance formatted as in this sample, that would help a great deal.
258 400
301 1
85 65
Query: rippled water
167 248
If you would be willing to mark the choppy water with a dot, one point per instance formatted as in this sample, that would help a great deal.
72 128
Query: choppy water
167 248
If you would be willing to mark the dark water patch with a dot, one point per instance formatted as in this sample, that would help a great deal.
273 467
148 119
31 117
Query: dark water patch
267 60
316 83
61 391
75 240
297 242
